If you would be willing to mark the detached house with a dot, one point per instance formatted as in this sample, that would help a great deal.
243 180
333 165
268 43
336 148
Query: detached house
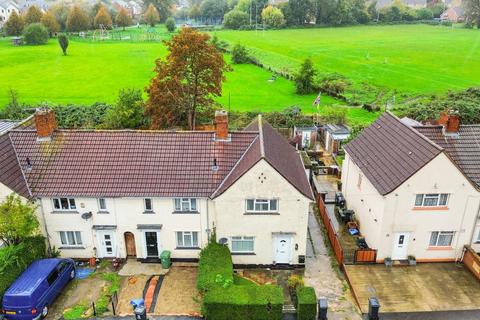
127 193
415 190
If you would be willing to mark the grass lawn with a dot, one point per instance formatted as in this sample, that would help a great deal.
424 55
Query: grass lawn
409 58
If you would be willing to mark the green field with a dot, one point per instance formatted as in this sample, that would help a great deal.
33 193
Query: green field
410 58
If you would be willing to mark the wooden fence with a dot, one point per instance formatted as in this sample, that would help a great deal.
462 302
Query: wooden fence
365 256
332 235
472 261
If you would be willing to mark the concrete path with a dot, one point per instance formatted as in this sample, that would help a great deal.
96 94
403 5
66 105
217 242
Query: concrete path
133 267
320 275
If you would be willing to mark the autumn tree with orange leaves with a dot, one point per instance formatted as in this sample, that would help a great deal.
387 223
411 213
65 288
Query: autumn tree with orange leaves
187 80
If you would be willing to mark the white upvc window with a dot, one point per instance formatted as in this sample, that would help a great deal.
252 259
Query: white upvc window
102 204
187 239
71 238
186 205
64 204
148 205
441 238
262 205
243 244
431 200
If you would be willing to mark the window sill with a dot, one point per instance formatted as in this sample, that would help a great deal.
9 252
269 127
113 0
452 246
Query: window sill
103 212
65 212
243 254
148 212
187 248
261 213
71 247
185 212
439 208
440 248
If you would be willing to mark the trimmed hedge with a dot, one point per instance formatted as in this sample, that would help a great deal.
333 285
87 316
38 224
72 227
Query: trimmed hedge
244 302
215 267
306 303
16 258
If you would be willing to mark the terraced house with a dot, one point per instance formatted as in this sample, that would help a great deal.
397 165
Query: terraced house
415 189
128 193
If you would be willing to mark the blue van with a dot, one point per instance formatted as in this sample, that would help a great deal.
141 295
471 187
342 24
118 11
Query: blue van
35 290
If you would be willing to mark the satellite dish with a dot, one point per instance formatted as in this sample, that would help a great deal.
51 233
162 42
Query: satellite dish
223 241
86 215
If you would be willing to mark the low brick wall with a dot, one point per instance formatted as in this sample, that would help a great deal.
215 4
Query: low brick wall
472 261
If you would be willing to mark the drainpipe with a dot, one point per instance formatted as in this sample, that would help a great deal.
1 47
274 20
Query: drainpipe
477 218
42 211
208 221
461 226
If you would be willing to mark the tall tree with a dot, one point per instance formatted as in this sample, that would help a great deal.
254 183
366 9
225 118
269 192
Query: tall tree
304 80
103 18
151 16
472 12
164 7
60 11
299 11
273 17
49 21
33 15
14 25
17 220
77 20
123 18
186 80
213 9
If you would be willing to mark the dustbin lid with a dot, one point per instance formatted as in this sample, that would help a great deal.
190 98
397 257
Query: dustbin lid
323 303
165 254
139 309
137 302
373 302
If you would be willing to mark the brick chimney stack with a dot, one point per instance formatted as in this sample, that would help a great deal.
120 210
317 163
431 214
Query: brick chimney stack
45 123
450 121
221 125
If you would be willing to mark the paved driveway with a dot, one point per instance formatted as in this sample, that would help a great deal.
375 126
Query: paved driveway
426 287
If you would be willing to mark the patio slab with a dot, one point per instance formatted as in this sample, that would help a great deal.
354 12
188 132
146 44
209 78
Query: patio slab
425 287
133 268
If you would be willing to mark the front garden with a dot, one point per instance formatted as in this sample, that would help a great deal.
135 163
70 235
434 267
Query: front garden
229 296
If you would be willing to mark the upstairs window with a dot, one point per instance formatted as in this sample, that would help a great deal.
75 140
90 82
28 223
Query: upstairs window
262 205
102 204
186 205
148 205
441 238
431 200
64 204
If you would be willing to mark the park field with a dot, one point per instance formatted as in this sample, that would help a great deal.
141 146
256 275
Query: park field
413 59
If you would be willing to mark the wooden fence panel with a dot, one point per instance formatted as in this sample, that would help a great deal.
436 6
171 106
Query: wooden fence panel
472 261
332 235
366 256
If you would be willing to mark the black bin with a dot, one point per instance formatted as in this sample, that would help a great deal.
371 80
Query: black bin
373 309
322 309
140 312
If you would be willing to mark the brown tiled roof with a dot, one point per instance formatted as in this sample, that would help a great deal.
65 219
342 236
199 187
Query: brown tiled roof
462 147
276 150
11 174
125 163
389 152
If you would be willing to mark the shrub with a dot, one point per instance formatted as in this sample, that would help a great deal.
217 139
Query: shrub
304 79
235 19
127 113
240 54
334 115
221 45
15 259
63 43
306 303
215 264
334 84
35 34
244 302
273 17
170 24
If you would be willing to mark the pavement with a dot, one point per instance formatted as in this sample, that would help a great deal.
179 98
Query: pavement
133 268
320 274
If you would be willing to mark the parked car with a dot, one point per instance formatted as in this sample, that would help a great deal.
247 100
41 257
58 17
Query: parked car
30 296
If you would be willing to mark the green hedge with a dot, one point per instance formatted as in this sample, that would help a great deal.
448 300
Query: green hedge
244 302
16 258
215 267
306 303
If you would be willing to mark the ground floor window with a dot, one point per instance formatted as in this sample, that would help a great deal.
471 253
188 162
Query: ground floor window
441 238
71 238
187 239
243 244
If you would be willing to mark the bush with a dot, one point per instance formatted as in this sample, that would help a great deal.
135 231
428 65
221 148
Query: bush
15 259
63 43
235 19
244 302
304 80
306 303
273 17
35 34
215 265
170 24
334 115
240 54
334 84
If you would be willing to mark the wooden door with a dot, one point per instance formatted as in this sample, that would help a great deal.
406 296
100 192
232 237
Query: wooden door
130 244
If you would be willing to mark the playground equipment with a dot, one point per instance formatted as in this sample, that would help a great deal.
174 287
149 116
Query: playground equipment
101 33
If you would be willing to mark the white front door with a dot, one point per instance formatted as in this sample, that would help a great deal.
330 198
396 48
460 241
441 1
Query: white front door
400 246
282 248
107 244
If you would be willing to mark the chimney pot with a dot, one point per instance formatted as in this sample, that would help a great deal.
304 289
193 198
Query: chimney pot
453 123
45 122
221 125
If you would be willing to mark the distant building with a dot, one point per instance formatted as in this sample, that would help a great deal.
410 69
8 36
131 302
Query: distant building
454 14
7 7
416 4
133 7
333 135
23 5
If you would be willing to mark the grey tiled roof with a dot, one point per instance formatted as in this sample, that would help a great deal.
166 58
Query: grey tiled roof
389 152
463 147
